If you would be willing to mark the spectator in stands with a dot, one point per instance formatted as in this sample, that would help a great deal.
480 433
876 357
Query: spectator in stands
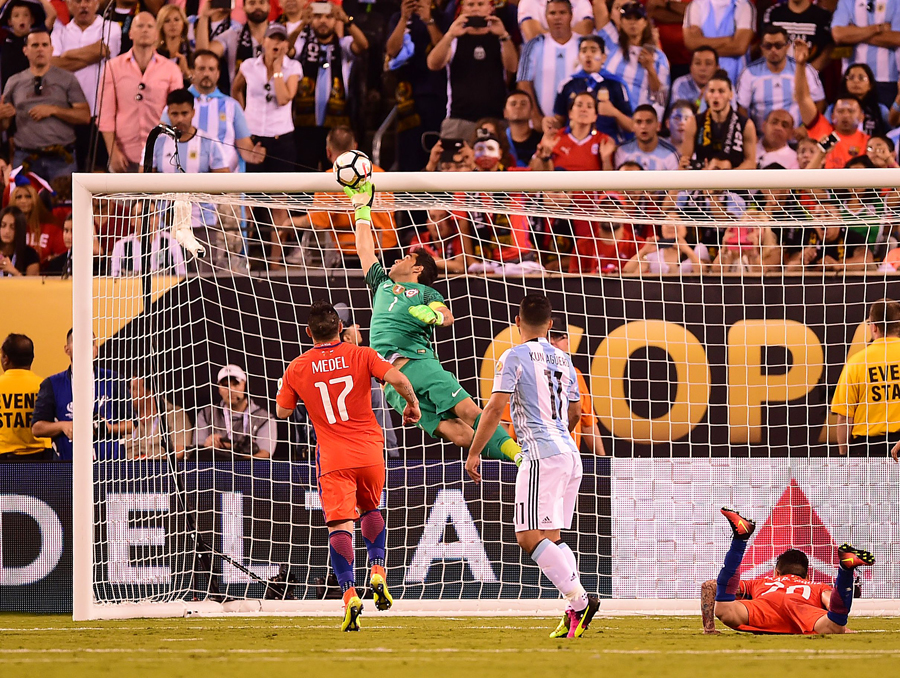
668 18
322 97
805 21
748 247
549 59
533 20
238 426
634 57
490 152
18 18
352 335
295 15
124 13
337 228
607 249
613 105
447 238
234 44
19 387
172 29
477 58
223 116
679 114
83 47
772 147
881 152
135 87
54 408
47 103
838 141
580 147
586 429
214 23
858 82
806 151
691 87
61 264
43 233
154 437
767 84
873 29
719 130
718 207
523 138
420 92
16 257
725 25
671 254
265 86
459 158
647 149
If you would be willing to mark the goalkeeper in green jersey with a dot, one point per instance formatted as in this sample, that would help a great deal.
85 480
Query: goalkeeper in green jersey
405 310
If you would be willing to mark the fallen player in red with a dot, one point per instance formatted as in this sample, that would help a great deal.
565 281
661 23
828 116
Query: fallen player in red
786 602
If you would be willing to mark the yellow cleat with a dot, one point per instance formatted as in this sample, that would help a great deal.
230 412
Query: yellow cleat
352 612
383 598
562 630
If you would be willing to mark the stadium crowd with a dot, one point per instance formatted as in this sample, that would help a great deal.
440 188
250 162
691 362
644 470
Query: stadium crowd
481 85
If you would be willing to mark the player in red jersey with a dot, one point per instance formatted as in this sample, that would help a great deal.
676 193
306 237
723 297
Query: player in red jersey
786 602
334 381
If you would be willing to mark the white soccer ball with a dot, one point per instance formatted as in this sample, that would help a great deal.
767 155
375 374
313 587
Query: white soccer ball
352 168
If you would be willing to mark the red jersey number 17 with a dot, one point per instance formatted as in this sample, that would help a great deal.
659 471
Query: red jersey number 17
341 399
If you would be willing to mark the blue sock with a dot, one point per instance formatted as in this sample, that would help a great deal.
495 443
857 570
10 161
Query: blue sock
340 543
728 581
841 597
374 533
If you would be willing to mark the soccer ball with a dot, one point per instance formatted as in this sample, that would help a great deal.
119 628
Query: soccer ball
352 169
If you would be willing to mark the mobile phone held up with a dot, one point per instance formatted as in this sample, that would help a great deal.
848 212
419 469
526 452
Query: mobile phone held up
450 148
476 22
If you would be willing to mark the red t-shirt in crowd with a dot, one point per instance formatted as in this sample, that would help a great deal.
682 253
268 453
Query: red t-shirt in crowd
50 243
848 147
334 381
578 156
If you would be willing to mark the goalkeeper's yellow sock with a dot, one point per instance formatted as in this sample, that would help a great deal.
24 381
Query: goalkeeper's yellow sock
500 446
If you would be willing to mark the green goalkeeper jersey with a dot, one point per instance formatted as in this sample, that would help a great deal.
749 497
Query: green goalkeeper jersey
394 331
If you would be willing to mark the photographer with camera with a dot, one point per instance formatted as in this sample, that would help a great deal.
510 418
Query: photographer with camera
237 425
839 140
478 53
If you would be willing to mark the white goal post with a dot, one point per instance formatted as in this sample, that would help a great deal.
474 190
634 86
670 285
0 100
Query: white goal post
708 390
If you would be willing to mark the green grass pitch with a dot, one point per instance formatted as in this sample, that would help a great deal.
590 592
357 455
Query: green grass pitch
428 647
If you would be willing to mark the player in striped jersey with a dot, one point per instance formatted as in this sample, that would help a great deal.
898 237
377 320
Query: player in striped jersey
767 84
550 59
540 384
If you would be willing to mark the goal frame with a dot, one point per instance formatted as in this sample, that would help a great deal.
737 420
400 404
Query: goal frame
85 186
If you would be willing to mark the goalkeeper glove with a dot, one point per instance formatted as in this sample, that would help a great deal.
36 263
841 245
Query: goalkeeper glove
362 197
519 457
427 315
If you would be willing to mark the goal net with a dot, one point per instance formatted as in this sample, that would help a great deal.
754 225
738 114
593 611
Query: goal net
710 313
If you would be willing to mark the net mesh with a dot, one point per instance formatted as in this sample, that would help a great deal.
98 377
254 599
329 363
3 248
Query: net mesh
711 328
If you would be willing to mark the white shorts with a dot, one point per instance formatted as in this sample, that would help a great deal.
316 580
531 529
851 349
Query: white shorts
546 491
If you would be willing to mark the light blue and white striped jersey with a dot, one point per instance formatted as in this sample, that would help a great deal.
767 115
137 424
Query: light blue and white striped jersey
547 65
542 382
760 91
627 68
218 116
664 157
197 155
722 19
882 60
685 88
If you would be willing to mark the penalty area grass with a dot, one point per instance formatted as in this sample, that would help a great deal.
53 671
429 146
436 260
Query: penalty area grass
426 647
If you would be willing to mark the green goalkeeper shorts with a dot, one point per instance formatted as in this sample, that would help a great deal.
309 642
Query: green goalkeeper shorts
438 392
